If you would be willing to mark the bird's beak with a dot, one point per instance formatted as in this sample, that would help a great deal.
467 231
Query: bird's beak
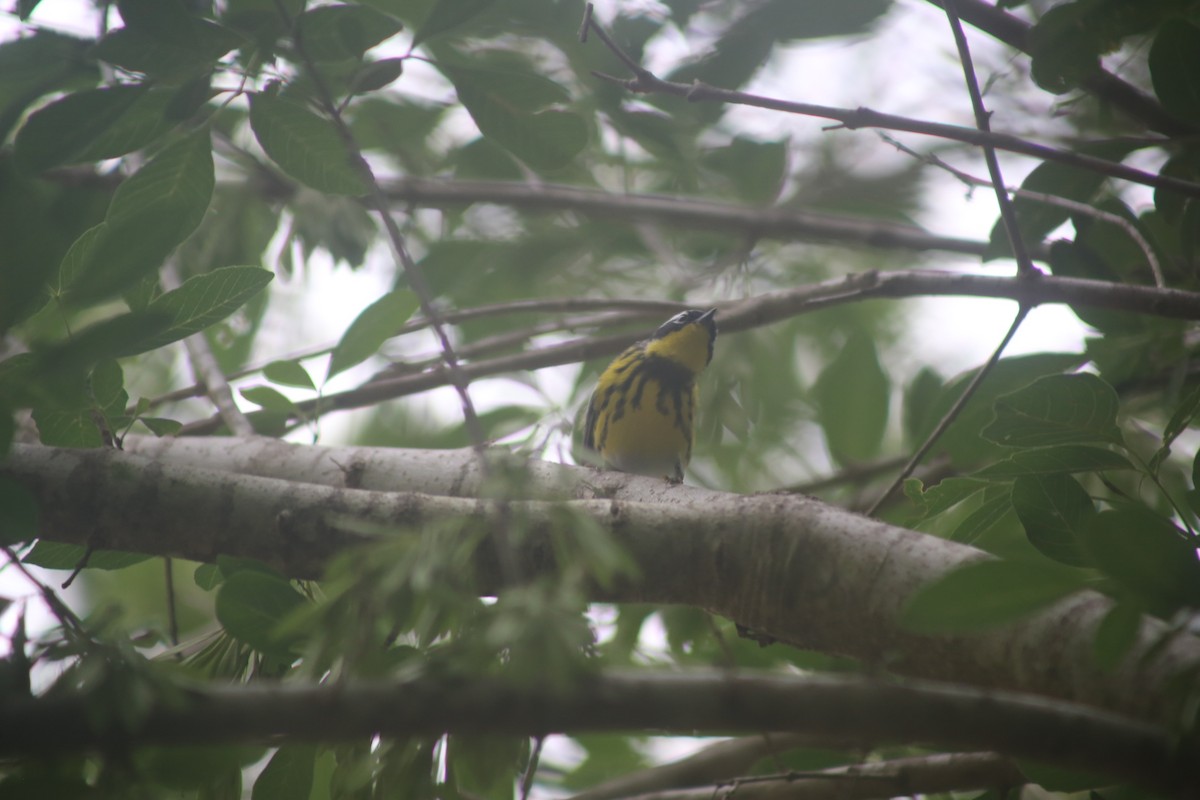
707 316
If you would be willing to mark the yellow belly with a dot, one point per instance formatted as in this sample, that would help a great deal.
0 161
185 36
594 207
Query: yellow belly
646 441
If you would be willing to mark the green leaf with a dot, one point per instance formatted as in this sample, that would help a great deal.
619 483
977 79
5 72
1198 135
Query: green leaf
447 15
208 577
201 301
948 493
988 593
1146 554
1065 458
337 32
304 145
191 48
270 399
755 170
1036 219
64 131
1116 634
852 395
288 373
1064 49
1183 415
150 214
56 555
1055 511
250 606
1057 409
1174 62
18 512
504 106
995 506
370 329
288 775
160 426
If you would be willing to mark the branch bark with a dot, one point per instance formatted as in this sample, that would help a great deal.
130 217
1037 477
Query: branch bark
767 308
800 571
866 712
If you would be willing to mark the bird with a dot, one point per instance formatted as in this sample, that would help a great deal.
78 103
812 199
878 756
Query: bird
641 416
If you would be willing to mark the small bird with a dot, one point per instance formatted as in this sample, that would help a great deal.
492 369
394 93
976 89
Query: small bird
641 416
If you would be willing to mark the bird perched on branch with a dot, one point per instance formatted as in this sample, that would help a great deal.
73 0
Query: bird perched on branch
641 417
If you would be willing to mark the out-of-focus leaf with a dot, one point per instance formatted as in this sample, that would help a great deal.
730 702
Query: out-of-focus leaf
305 146
370 329
1055 410
988 593
1174 61
852 396
66 130
1065 458
336 32
1146 554
996 504
1117 633
150 214
18 513
56 555
251 604
1055 512
510 109
288 373
288 775
447 15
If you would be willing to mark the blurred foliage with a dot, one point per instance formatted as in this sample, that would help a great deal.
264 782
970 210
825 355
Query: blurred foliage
199 136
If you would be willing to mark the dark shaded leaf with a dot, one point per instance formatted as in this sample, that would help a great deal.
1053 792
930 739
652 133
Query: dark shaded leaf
852 396
305 146
1055 512
1057 409
370 329
988 593
1065 458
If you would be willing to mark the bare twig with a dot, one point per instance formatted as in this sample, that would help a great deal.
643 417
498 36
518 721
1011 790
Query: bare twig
954 411
207 371
66 617
1007 214
1014 32
645 82
412 271
1073 206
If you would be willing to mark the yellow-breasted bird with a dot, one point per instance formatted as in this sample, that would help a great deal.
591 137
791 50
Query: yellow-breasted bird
642 414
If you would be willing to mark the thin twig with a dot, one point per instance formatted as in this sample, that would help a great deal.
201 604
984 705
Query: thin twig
1073 206
954 411
646 83
1007 214
377 201
531 769
65 616
172 615
1113 91
207 371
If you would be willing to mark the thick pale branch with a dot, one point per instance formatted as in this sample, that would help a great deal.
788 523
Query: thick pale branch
839 710
803 572
762 310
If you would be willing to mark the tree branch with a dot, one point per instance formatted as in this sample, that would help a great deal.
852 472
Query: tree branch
806 573
645 82
834 709
919 775
1014 32
765 309
688 212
